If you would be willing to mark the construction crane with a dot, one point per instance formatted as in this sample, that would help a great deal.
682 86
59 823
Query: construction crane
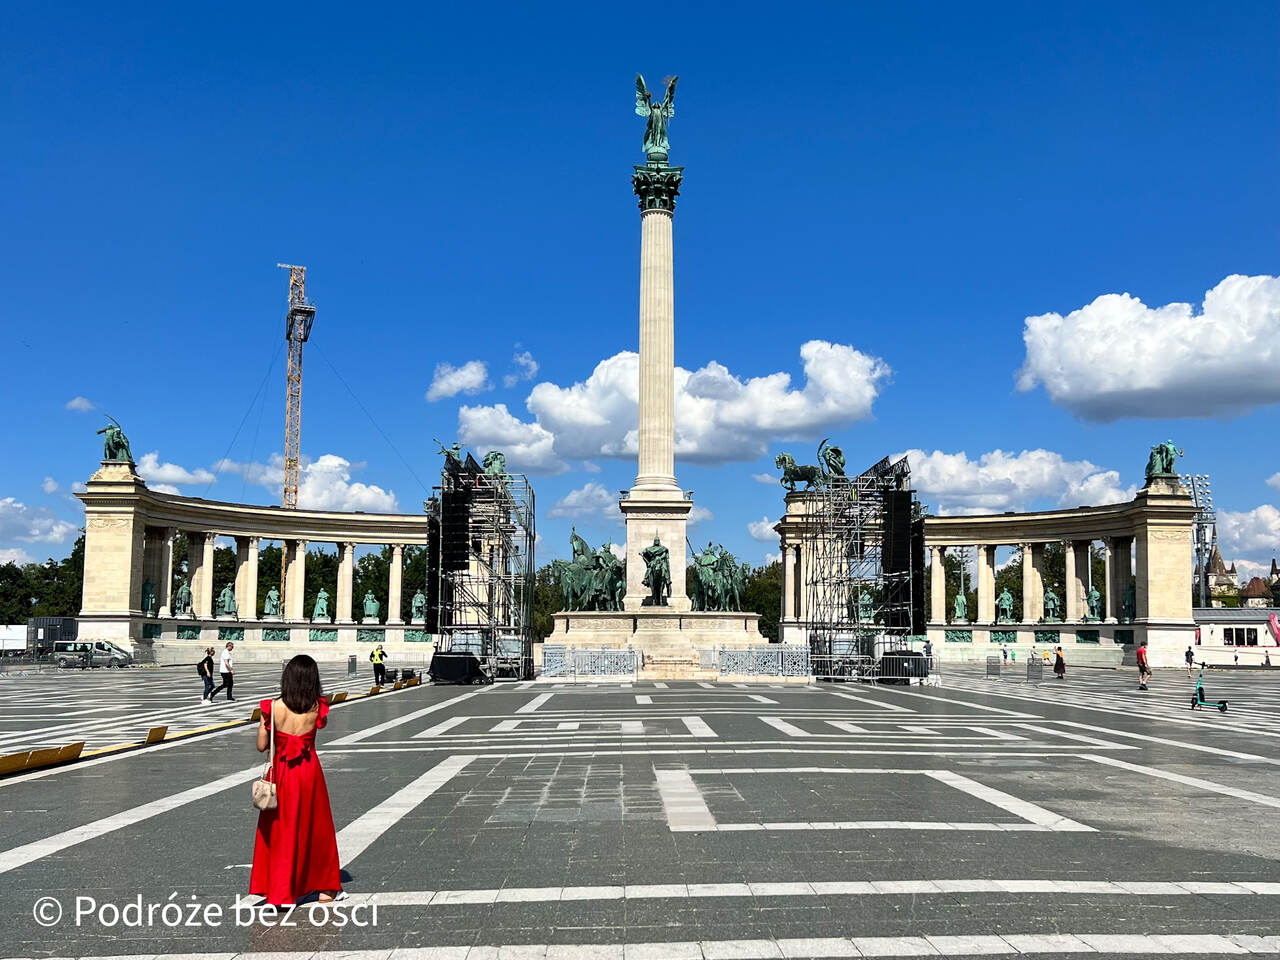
297 328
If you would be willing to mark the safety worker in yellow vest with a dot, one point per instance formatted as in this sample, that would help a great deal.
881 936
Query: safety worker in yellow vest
378 658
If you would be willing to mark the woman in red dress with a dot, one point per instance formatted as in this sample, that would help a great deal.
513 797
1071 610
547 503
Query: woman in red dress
296 850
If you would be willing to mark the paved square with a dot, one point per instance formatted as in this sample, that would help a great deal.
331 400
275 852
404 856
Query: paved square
979 818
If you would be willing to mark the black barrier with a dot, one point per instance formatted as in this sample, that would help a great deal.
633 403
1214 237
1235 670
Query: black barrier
458 668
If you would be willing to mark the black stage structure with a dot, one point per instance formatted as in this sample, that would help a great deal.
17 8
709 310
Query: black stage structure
865 573
482 565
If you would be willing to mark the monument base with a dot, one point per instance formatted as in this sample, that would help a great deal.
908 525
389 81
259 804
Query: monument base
669 640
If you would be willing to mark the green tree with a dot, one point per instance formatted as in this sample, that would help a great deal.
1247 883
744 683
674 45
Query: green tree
372 574
762 594
546 601
268 573
322 571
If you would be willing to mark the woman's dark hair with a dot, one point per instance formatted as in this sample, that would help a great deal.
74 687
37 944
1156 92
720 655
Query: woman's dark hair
300 684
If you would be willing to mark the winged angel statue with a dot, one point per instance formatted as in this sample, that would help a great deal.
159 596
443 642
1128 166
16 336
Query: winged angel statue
656 144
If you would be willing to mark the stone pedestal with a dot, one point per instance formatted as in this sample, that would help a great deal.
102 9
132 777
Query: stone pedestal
417 622
648 514
670 641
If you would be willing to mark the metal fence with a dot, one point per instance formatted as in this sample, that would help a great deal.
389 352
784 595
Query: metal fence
581 663
773 660
902 669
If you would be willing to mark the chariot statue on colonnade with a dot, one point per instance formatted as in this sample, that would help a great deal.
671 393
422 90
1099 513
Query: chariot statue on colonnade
831 464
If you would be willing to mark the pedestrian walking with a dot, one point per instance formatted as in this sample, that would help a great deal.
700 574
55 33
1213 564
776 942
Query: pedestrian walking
1266 658
1144 666
1059 663
205 669
295 852
1237 656
228 672
378 657
1190 658
1004 652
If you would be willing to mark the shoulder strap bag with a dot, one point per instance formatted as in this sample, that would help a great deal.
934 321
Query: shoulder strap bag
264 788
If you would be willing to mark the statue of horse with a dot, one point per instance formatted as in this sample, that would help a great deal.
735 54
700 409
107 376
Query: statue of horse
792 473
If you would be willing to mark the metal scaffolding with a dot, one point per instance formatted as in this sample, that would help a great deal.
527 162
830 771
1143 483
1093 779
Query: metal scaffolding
859 572
486 567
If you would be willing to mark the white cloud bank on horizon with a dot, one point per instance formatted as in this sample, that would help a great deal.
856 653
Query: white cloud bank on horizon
1117 357
32 524
590 500
164 477
323 484
449 381
763 531
719 417
951 483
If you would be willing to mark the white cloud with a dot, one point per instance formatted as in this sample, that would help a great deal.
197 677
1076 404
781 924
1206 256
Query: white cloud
766 477
449 381
699 514
49 485
79 405
1252 531
528 446
323 484
14 555
32 524
1117 357
589 500
762 530
719 416
1248 569
159 474
528 369
619 550
1274 481
772 558
999 481
166 488
79 487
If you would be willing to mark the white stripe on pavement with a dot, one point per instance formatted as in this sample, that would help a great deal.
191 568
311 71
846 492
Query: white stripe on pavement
19 856
356 836
535 703
368 732
1209 785
1008 945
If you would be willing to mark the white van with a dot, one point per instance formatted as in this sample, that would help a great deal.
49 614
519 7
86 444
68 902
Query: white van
98 653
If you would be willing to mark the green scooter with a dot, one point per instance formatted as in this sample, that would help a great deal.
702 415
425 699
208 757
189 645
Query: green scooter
1197 698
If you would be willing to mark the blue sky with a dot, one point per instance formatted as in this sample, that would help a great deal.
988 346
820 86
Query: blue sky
907 183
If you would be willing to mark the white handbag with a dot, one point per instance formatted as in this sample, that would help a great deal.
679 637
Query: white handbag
264 788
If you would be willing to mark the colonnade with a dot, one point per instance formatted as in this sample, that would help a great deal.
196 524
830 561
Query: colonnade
158 563
1074 590
130 532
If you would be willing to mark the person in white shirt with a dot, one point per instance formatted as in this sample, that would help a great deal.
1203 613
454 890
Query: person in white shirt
228 674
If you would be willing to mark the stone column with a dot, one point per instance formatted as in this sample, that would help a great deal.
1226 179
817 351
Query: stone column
986 575
295 597
1084 571
656 506
1032 582
393 583
657 352
346 570
164 589
247 577
1109 575
1071 584
937 585
202 580
1121 573
797 578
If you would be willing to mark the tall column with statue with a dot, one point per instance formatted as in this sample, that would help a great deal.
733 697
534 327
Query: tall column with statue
656 506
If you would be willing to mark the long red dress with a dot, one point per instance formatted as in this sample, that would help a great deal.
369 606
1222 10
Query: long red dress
296 849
